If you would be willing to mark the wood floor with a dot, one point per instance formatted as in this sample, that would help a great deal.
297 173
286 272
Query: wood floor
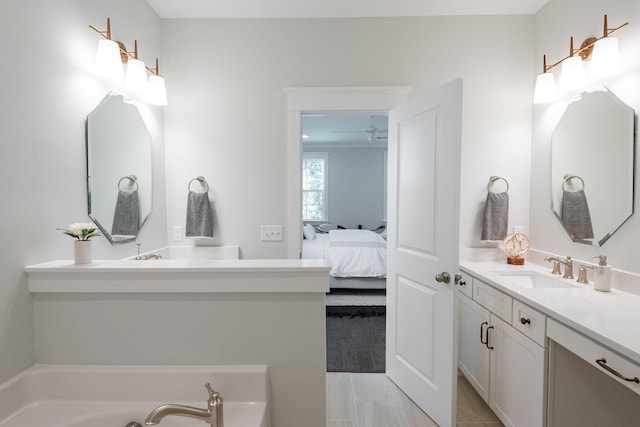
372 400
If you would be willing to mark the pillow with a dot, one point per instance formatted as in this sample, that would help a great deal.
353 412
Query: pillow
325 228
384 234
309 232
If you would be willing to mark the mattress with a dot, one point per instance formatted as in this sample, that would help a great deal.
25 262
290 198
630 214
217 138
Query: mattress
353 253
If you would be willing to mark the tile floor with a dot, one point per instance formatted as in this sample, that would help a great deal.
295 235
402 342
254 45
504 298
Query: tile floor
372 400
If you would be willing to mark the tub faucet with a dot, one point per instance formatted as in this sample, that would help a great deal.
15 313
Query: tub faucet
568 266
211 415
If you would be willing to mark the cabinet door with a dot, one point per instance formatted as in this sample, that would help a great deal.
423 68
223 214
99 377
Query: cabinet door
518 367
473 357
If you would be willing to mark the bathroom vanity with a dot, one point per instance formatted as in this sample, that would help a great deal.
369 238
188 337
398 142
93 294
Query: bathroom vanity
185 312
546 351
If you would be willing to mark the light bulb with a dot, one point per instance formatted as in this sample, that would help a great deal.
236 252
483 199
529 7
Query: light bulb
157 92
135 80
545 90
108 60
572 76
606 57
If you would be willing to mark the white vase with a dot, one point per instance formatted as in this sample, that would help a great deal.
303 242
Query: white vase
82 251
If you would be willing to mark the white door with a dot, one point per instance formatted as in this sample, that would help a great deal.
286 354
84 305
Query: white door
423 216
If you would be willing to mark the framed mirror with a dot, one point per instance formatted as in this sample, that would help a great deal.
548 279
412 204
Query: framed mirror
592 167
119 181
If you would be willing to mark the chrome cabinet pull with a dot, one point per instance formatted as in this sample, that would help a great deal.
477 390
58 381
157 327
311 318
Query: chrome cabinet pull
603 364
525 321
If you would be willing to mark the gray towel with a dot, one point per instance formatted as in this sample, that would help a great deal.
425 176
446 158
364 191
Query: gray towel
575 215
496 217
126 218
199 216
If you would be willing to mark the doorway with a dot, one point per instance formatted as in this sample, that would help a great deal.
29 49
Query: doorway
323 101
343 194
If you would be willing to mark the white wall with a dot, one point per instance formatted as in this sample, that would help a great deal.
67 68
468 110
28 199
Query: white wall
356 187
48 89
554 25
226 118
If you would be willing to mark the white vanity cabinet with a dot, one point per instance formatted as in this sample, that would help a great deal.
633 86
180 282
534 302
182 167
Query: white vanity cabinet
502 353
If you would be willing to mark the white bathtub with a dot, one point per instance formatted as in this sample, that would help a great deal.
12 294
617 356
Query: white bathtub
112 396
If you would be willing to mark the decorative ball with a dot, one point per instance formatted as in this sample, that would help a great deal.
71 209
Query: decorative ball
516 244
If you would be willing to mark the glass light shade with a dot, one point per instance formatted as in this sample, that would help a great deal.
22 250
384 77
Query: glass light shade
606 57
545 90
157 92
135 80
108 61
572 76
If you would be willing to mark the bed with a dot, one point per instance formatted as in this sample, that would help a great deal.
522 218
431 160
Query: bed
358 257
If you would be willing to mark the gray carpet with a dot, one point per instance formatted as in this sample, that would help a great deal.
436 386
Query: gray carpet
356 338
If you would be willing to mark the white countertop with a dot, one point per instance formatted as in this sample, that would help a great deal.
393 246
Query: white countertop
180 276
610 318
181 265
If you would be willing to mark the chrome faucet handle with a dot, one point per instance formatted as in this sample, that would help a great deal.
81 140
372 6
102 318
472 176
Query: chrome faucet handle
138 255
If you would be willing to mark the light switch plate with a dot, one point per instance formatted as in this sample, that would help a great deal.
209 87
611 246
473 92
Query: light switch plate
271 233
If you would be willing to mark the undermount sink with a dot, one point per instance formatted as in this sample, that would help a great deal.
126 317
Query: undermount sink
533 279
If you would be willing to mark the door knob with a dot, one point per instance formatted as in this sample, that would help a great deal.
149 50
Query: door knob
443 277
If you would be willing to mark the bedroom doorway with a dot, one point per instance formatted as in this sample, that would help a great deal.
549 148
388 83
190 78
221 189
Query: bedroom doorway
344 191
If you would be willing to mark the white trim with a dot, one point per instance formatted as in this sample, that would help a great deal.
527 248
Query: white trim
329 99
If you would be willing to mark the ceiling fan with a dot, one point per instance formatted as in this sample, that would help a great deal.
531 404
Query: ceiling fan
371 131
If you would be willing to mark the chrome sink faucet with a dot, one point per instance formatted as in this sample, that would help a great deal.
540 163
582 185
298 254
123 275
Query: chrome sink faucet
568 266
211 415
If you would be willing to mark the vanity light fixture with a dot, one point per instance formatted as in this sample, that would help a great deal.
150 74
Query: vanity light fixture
156 93
572 75
108 59
135 79
605 60
606 54
109 63
545 90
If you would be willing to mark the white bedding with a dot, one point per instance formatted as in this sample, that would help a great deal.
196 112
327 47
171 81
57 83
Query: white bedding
353 253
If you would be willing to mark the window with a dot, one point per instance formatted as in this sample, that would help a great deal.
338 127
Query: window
314 186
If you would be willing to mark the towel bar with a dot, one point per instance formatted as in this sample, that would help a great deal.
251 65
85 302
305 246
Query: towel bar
495 178
202 182
132 178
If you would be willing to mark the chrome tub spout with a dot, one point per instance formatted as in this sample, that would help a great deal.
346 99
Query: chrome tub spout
211 415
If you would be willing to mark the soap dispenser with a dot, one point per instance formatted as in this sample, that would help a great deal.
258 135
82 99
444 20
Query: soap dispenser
602 275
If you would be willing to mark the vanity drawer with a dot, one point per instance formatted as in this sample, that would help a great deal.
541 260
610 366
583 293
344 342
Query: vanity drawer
465 285
493 300
600 357
530 322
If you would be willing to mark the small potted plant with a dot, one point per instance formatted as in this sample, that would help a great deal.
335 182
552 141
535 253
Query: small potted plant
82 232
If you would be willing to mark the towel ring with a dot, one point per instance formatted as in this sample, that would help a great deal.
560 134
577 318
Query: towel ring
568 177
495 178
132 178
202 182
